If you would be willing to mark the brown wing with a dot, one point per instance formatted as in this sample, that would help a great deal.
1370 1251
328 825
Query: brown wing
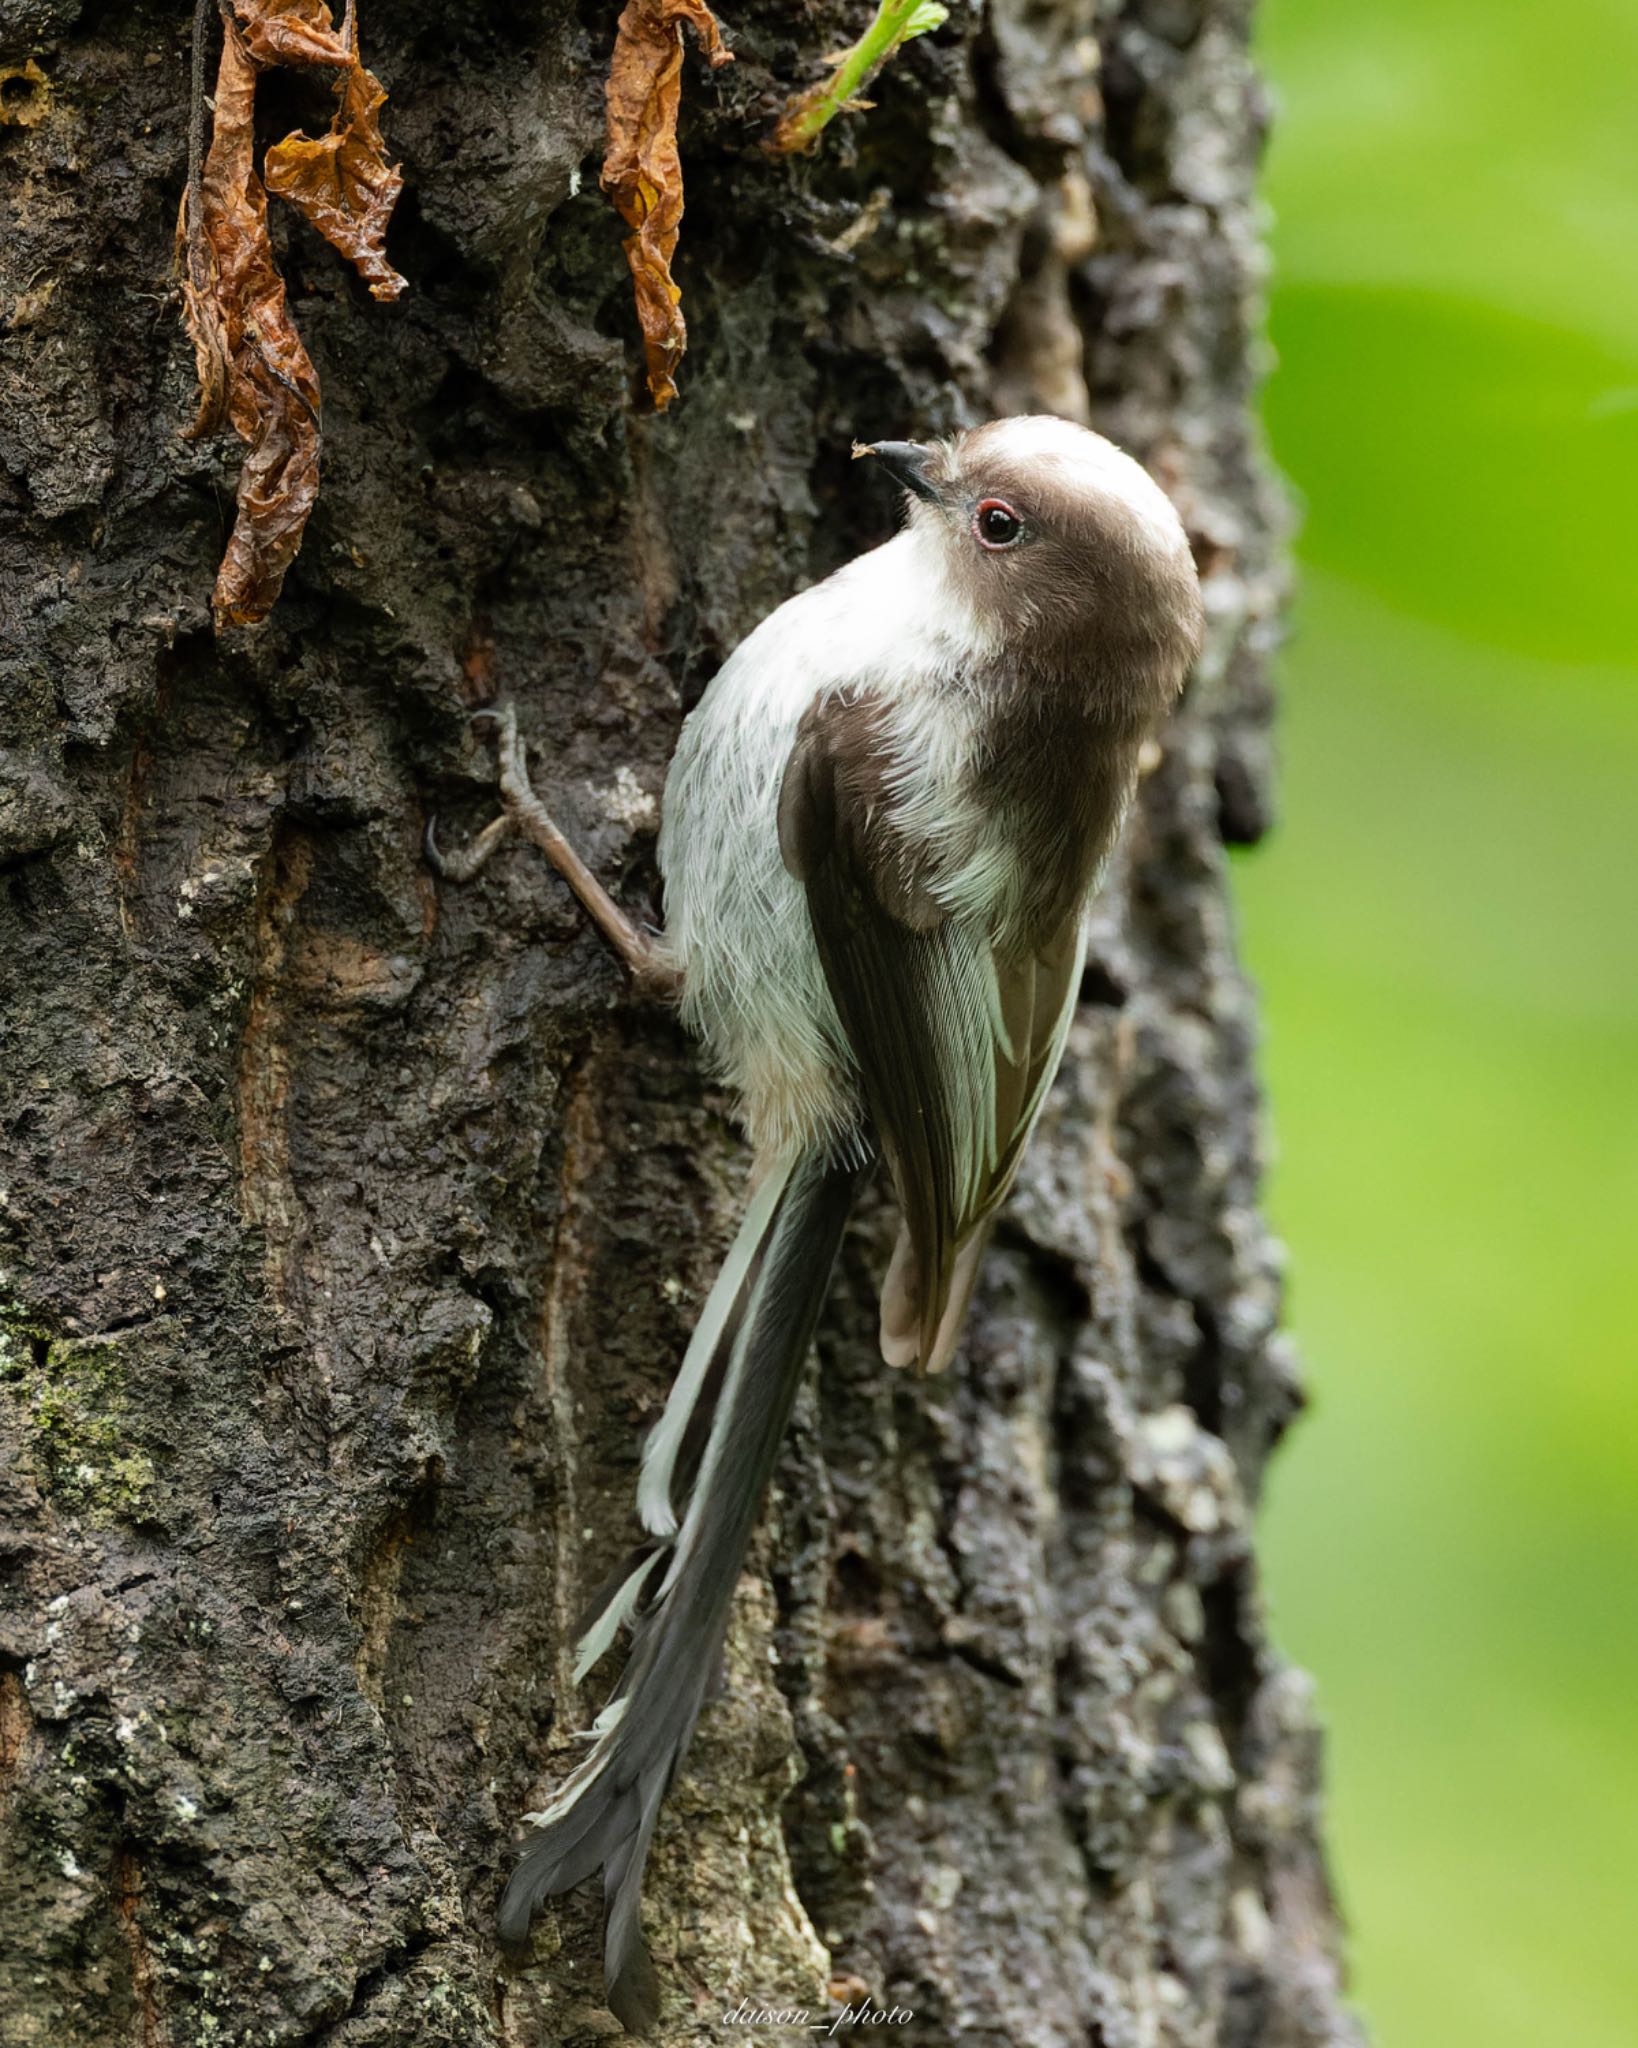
955 1042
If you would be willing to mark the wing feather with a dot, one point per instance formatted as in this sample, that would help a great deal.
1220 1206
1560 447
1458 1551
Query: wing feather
955 1039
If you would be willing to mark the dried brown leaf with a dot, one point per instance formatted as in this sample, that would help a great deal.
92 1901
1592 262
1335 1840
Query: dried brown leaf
291 32
642 172
202 316
342 182
253 369
252 363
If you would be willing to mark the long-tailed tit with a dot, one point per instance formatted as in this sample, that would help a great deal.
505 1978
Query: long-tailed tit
881 830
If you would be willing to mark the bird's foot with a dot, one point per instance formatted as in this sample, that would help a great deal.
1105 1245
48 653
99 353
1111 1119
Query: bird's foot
643 952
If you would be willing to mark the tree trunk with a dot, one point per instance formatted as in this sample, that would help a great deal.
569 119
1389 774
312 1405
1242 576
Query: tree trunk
352 1223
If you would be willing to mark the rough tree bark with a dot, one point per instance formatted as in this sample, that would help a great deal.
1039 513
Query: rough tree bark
352 1226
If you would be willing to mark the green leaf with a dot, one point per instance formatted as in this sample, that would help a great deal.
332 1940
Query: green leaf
928 15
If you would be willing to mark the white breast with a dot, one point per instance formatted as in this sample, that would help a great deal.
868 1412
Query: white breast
736 920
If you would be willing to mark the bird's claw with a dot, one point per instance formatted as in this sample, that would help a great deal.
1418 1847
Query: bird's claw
463 866
653 973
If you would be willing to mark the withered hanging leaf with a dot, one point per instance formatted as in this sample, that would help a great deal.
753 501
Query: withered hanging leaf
252 363
202 316
343 182
252 367
642 172
291 32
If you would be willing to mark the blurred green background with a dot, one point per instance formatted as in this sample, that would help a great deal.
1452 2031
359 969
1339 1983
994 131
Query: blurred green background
1446 933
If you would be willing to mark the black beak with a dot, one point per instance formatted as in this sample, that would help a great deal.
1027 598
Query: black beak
905 462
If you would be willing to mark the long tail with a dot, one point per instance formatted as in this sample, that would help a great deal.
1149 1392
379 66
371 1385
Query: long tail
714 1448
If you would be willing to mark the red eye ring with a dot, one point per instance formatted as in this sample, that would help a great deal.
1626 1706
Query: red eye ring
996 525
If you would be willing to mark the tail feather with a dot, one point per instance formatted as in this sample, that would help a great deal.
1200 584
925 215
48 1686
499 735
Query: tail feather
615 1605
628 1969
654 1481
760 1317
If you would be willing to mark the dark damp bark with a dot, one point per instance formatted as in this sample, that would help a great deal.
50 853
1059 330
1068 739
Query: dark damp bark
352 1225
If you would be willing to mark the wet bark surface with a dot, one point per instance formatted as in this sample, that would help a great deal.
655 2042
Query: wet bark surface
351 1225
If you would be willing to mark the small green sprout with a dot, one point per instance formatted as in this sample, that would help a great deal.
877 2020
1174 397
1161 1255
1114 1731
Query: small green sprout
896 22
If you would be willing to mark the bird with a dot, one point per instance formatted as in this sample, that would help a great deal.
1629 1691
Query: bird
880 833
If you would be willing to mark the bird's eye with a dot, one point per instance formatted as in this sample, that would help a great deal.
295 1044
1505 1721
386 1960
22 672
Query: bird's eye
996 524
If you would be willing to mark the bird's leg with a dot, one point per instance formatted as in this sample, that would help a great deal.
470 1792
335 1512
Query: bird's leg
643 953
